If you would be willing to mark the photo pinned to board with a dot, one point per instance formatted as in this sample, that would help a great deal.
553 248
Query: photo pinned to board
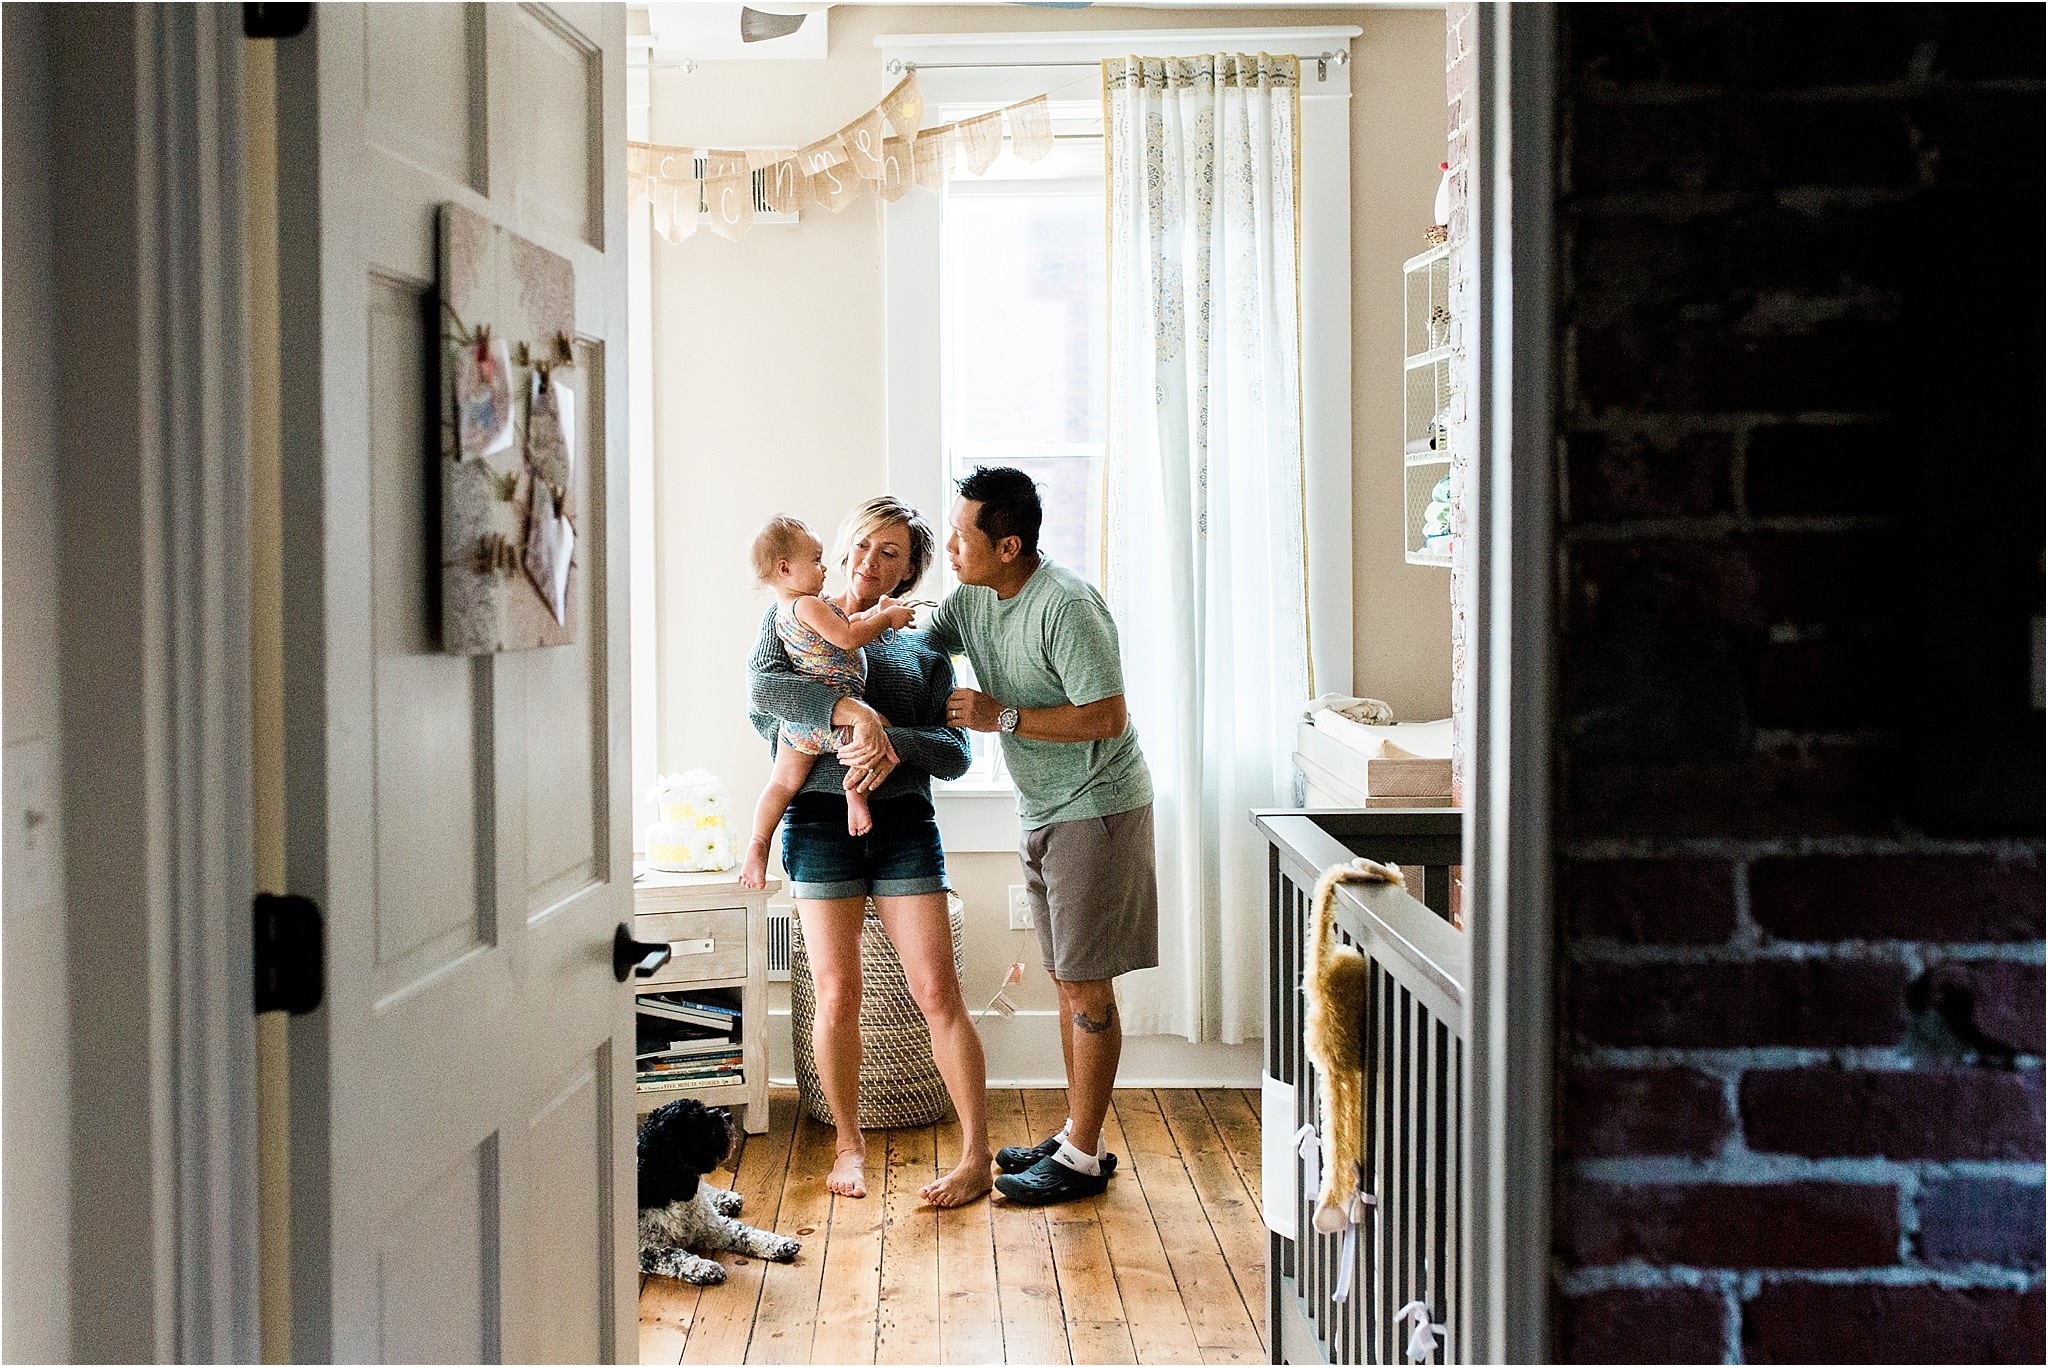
550 545
483 397
550 455
550 428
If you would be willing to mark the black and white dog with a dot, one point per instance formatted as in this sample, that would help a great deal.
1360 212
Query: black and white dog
679 1211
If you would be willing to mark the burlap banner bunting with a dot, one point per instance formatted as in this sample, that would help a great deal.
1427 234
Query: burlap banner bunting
886 148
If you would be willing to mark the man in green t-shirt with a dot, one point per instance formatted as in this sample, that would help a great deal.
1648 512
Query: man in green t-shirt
1045 653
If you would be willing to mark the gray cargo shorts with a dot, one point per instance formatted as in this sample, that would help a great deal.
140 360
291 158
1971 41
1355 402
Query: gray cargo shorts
1094 894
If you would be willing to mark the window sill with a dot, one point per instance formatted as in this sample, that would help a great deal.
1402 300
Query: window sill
976 818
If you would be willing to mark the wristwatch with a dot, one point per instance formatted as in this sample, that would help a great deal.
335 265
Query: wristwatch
1006 721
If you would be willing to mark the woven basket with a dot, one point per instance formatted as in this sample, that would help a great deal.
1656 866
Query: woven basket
899 1083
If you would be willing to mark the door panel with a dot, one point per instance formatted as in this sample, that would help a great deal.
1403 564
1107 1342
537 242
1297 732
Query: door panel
423 91
559 176
567 838
560 820
561 1140
436 1268
427 756
462 1109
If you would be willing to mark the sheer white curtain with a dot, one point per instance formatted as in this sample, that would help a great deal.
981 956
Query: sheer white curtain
1202 520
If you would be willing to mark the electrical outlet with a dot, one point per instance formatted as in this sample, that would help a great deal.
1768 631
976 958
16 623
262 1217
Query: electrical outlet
1020 908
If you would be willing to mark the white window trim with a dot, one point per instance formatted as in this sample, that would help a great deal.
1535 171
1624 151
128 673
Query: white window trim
992 69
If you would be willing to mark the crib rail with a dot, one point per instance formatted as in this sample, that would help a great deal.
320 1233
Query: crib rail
1414 1092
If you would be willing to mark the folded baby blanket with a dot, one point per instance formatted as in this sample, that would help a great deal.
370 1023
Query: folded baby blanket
1366 711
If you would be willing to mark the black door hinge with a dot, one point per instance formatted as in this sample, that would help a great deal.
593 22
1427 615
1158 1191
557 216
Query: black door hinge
290 954
275 21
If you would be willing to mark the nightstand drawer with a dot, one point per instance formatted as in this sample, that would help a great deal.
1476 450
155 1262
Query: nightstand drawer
706 945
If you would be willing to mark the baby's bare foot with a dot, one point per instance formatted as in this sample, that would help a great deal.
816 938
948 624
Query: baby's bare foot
754 868
848 1176
968 1182
859 821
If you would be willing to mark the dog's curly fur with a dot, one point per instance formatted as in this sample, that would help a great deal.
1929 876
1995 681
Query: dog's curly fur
679 1211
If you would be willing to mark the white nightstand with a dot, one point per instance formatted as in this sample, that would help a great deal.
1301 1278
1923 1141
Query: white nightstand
718 934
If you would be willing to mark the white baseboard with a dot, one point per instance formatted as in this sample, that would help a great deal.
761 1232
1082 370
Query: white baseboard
1024 1051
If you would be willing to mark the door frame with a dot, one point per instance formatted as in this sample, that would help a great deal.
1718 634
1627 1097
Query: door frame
155 617
190 171
186 147
1508 819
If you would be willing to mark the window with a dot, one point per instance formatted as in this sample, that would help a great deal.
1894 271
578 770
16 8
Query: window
969 376
1023 348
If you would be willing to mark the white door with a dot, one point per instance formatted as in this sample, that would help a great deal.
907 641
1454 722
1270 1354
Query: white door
461 1106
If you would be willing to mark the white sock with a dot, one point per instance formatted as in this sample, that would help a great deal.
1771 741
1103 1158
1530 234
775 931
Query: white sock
1078 1161
1101 1149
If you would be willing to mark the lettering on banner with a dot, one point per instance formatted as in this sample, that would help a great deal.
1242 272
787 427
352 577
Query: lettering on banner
897 161
784 188
718 163
886 146
731 202
836 187
863 141
821 154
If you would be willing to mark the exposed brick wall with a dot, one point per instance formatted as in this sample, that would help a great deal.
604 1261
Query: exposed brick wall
1800 1102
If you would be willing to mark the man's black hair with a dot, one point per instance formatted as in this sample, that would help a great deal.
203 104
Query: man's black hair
1009 504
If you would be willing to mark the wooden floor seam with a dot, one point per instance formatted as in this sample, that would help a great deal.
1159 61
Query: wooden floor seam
1166 1266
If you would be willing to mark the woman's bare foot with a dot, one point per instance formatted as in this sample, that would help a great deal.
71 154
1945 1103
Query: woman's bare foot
754 868
849 1176
968 1182
859 821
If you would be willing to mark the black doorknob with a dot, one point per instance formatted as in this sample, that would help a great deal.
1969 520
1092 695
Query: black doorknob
637 958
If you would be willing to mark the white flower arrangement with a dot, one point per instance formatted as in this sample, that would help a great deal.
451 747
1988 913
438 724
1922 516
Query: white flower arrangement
714 848
691 835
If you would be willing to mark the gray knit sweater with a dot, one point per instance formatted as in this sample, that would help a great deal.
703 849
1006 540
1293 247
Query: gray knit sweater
908 680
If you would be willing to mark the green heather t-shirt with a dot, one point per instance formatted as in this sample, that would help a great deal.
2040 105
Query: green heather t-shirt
1052 643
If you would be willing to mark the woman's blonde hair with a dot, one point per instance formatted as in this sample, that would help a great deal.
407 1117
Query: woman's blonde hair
780 540
888 511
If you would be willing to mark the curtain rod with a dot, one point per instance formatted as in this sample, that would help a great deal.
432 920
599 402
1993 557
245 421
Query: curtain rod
896 66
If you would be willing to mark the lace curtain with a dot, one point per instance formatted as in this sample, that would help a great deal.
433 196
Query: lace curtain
1203 540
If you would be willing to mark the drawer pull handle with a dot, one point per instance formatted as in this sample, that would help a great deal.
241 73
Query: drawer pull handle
682 947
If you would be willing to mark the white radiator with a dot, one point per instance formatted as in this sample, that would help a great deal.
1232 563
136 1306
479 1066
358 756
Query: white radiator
779 920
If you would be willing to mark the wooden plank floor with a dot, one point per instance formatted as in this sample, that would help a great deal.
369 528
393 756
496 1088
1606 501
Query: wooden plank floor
1166 1266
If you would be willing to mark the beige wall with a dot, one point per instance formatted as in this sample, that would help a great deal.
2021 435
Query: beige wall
1400 613
768 379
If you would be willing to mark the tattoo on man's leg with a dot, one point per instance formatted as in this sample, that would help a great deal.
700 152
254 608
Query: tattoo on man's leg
1090 1025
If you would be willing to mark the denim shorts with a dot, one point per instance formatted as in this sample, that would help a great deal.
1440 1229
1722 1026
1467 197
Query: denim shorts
899 857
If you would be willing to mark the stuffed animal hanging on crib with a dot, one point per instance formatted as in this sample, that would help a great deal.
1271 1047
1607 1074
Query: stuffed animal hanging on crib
1334 986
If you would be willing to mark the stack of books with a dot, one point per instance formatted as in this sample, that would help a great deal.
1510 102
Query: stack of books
686 1042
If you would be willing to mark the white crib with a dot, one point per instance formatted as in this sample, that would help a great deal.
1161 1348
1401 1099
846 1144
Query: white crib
1414 1093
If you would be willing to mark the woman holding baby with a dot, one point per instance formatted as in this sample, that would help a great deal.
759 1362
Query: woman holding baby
895 742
